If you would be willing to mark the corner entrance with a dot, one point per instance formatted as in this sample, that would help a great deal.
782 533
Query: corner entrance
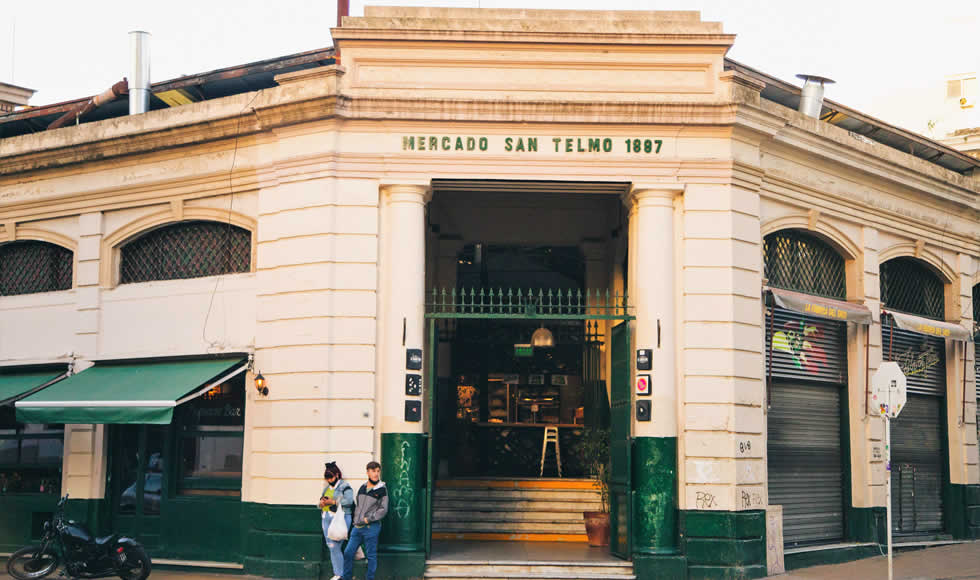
515 413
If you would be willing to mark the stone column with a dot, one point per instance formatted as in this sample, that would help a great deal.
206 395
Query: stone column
400 329
651 280
962 509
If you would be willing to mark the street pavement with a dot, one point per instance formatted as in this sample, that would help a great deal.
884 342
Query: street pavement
954 562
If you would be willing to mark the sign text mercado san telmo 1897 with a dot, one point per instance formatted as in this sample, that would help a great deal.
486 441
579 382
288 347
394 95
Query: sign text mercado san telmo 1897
501 143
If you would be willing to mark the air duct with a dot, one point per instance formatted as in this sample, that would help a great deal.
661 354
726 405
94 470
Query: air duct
811 99
139 76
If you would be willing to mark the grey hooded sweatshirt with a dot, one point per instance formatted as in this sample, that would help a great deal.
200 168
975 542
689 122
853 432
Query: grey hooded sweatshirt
372 504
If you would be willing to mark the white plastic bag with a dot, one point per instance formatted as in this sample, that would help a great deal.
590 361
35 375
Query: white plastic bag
338 527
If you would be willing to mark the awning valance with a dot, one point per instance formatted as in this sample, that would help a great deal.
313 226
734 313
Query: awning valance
930 327
144 392
17 385
819 307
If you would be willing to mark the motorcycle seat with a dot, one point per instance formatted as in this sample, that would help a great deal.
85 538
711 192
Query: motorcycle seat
105 540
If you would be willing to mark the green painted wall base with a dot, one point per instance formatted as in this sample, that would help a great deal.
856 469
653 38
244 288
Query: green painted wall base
725 545
650 567
830 556
962 511
866 525
282 541
401 566
403 470
655 495
23 518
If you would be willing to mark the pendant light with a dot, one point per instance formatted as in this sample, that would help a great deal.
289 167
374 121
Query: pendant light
542 338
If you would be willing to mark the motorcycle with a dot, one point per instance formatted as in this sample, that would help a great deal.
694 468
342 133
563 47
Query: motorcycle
84 555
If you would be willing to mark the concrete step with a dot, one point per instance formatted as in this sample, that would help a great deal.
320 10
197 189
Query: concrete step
516 494
541 527
530 570
516 505
504 514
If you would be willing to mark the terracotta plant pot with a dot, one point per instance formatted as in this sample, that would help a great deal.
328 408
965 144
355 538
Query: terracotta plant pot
597 528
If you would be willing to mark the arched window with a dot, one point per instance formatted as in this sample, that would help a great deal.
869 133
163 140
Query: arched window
909 286
798 261
27 267
186 250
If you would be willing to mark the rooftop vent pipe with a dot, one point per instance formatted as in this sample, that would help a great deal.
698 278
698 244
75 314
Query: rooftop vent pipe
811 99
139 75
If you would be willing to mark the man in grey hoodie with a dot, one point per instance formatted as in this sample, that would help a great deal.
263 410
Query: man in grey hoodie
372 505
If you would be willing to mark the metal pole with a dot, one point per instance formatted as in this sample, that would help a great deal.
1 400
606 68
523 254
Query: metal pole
888 486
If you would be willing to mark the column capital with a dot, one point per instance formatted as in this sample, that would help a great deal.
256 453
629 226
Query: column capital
653 193
407 191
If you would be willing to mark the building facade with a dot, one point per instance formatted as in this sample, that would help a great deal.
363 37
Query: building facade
451 174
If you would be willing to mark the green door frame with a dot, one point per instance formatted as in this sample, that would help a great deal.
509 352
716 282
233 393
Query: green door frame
510 304
620 445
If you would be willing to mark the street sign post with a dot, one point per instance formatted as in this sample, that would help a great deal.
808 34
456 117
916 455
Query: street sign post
888 395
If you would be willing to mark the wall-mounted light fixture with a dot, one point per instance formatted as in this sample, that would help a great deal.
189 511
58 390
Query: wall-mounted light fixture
260 385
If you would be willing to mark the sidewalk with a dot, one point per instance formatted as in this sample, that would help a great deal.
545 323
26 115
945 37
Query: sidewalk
955 562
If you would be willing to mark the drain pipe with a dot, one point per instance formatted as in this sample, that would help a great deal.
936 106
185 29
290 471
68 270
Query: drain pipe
811 99
139 76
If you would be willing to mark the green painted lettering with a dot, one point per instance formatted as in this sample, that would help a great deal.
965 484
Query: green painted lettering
593 145
579 144
459 143
421 142
433 143
509 144
532 143
557 141
607 144
483 144
408 143
568 145
520 144
446 143
470 143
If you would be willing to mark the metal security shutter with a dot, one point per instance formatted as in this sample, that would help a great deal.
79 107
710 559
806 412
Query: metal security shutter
809 349
917 470
805 473
922 359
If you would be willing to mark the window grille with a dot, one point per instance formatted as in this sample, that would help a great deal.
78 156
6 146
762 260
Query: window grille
27 267
909 286
801 262
186 250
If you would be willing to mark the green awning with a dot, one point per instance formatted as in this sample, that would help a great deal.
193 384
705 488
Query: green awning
14 385
127 393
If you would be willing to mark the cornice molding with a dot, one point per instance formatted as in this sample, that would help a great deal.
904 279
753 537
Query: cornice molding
841 242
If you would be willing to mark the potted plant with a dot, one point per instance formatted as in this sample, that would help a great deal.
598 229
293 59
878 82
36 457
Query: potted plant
595 457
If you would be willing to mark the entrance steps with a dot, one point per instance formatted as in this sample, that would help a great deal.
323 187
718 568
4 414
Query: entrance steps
468 570
546 510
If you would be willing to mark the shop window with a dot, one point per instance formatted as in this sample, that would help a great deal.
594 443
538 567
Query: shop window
210 439
909 286
186 250
30 455
797 261
28 267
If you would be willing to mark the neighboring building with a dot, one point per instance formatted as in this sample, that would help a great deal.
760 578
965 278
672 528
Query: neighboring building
478 226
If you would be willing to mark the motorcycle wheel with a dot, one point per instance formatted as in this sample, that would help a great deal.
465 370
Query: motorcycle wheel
30 564
137 564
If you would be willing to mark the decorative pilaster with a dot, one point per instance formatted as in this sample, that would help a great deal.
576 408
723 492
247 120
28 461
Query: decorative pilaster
402 331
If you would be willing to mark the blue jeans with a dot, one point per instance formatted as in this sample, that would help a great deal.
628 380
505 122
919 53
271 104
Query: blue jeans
336 553
368 535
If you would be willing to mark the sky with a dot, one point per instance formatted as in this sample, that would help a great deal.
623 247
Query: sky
889 58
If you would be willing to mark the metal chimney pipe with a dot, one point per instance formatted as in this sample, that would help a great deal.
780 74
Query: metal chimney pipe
811 99
139 75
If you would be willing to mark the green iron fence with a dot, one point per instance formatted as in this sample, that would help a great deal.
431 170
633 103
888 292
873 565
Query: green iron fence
527 303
